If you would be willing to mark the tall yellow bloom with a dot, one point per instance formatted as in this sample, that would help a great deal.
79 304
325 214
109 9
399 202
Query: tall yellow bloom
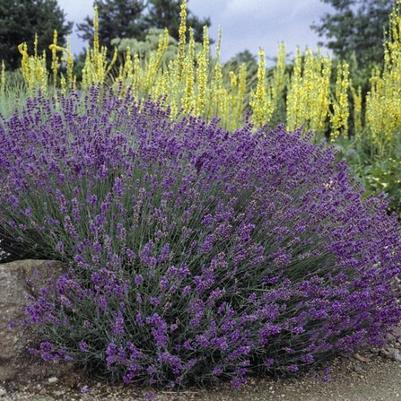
203 73
357 113
182 40
260 102
383 102
280 77
340 115
55 61
308 96
97 67
33 68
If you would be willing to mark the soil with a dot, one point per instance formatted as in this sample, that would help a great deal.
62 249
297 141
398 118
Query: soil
363 377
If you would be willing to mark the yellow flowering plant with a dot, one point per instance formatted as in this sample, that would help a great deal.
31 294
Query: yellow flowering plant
312 93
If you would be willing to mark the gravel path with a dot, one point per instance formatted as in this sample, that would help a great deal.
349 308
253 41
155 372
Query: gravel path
363 378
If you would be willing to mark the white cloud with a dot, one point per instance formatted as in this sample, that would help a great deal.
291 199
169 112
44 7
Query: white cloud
76 11
262 23
240 7
246 23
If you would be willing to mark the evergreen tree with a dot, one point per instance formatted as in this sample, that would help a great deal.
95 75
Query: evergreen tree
21 19
132 19
166 14
355 28
117 19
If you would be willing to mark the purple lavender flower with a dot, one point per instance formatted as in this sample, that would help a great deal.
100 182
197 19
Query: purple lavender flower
119 324
193 253
83 346
138 279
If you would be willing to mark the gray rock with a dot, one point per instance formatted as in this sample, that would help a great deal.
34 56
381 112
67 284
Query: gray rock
18 280
3 392
392 353
361 358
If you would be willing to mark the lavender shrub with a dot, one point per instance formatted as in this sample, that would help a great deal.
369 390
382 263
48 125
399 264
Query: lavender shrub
194 255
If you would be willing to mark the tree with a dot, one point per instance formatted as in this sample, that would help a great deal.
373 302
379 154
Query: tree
247 58
134 18
117 19
21 19
243 57
151 42
166 14
356 27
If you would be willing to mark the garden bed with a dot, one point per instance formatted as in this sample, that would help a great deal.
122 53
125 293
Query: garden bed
366 378
193 256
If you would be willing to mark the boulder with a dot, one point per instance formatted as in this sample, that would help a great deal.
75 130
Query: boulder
18 280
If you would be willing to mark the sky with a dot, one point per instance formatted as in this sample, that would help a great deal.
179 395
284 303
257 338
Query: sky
246 24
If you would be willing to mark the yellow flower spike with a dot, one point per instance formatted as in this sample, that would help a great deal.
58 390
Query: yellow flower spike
155 62
137 73
162 84
383 101
188 75
279 77
340 115
42 73
218 43
182 35
35 46
357 103
203 72
225 108
55 62
128 65
260 102
233 79
69 58
165 41
33 68
85 71
96 45
112 62
96 69
308 91
218 90
240 105
319 104
218 93
63 85
23 49
308 96
231 103
294 92
324 100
